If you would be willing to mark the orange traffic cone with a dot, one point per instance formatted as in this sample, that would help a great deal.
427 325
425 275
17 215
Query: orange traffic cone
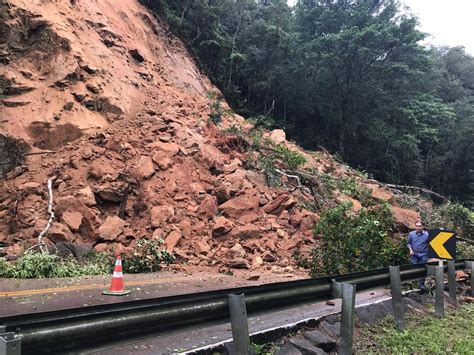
117 287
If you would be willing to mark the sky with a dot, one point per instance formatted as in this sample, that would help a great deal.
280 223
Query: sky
449 22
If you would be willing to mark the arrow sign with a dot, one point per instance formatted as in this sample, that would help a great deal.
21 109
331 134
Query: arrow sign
442 244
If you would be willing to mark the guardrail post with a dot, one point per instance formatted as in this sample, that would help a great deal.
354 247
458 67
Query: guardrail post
439 294
452 280
10 344
470 265
347 318
397 299
240 327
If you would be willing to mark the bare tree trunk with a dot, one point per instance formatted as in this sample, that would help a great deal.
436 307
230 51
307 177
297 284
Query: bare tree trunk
232 51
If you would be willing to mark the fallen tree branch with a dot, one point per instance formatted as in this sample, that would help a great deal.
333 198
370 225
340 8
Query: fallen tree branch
468 241
39 153
297 178
407 187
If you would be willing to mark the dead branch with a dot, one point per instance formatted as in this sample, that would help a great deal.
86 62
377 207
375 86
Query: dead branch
397 188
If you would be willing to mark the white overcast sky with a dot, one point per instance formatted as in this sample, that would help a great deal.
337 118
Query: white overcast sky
449 22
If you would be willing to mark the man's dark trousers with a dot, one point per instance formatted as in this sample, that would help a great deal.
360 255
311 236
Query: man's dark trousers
419 259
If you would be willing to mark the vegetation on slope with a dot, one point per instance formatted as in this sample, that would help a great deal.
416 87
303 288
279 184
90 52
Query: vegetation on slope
347 75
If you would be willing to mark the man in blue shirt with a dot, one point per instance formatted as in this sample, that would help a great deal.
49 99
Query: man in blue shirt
418 246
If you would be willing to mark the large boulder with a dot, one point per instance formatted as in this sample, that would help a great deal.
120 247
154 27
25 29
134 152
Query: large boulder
208 207
242 205
160 214
145 167
111 228
221 226
283 201
86 196
380 193
405 219
173 239
278 136
248 231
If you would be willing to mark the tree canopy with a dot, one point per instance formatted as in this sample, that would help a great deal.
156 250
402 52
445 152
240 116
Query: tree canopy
347 75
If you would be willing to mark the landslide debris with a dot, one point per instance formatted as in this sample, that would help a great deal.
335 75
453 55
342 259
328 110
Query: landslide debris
120 117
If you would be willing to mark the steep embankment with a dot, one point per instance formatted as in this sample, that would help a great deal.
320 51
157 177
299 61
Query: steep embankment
117 114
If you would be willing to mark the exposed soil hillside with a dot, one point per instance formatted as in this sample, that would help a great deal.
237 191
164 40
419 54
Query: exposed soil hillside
112 108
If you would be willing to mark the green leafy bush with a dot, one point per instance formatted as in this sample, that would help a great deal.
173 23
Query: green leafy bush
353 243
216 115
350 187
147 257
451 216
291 158
37 265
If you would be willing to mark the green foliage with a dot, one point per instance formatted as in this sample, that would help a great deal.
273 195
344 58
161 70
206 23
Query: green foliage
464 250
291 158
351 243
349 186
147 257
351 76
256 138
423 335
216 115
451 216
38 265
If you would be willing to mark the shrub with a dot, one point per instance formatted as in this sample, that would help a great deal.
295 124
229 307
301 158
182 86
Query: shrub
291 158
350 187
148 257
451 216
37 265
353 243
216 115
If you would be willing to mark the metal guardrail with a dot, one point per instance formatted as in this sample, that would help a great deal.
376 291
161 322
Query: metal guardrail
94 326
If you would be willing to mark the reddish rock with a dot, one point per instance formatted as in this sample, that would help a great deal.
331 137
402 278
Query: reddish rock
404 219
208 207
172 240
269 257
270 245
160 214
295 218
111 228
248 231
237 251
99 169
238 264
101 247
239 206
145 167
110 193
162 161
290 243
86 196
60 233
380 193
202 247
222 194
221 226
185 228
283 202
73 220
278 136
163 149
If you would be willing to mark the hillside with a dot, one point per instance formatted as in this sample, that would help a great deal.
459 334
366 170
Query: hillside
139 144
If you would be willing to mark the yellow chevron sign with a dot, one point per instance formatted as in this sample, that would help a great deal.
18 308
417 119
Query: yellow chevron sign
440 249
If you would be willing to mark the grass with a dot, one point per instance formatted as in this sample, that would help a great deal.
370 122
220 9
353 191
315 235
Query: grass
453 334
